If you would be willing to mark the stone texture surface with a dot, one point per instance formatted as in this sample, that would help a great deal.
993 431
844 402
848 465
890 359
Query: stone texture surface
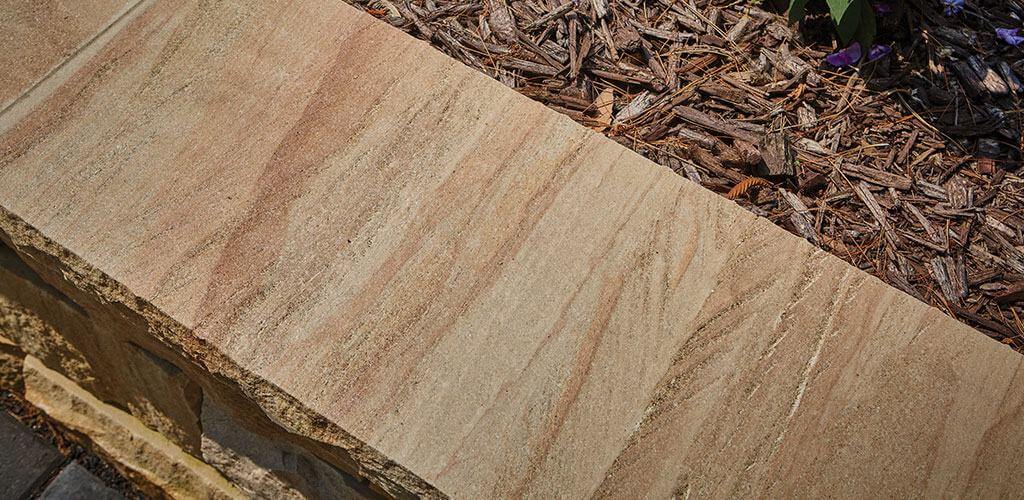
144 455
37 36
270 469
118 369
397 257
11 357
101 352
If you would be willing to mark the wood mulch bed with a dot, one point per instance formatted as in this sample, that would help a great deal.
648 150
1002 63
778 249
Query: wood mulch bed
907 167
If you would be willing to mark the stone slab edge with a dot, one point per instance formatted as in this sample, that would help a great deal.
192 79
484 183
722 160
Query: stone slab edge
153 462
48 258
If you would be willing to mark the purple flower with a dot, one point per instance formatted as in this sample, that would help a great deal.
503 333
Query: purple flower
878 51
845 57
953 7
1010 36
882 8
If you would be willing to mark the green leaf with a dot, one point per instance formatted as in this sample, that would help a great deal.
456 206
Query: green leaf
846 14
797 10
867 28
839 8
854 19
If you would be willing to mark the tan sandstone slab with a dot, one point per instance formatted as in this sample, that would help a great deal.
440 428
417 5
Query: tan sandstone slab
37 36
497 299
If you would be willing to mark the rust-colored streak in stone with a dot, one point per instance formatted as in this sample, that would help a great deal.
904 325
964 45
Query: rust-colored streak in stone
491 296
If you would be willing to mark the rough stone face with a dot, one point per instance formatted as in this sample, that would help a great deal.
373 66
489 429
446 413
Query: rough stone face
11 357
283 469
256 455
144 455
360 248
47 324
272 469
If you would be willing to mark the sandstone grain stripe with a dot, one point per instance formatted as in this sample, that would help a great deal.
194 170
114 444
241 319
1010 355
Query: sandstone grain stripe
493 297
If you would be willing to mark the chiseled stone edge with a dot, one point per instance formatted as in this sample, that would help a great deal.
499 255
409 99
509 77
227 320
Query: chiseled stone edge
145 455
42 253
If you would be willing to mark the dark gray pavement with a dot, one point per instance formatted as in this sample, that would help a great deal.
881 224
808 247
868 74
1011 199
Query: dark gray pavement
32 468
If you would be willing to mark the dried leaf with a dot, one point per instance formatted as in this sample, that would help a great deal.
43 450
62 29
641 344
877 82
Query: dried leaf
746 185
603 105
